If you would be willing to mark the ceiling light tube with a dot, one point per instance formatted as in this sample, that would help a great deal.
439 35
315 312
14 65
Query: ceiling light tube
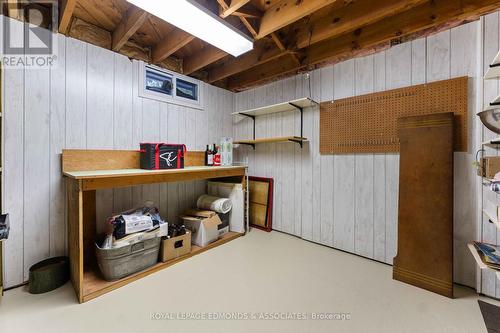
199 22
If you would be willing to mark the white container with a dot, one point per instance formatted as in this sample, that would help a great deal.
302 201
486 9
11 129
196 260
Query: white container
226 153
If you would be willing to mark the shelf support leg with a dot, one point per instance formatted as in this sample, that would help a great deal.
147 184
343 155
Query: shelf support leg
301 110
253 118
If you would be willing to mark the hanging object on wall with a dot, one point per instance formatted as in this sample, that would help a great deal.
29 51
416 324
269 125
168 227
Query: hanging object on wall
368 123
261 202
425 216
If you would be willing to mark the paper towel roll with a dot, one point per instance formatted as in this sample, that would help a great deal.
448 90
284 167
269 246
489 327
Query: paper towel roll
219 205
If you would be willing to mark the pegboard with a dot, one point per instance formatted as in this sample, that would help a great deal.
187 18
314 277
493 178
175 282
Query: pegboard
368 123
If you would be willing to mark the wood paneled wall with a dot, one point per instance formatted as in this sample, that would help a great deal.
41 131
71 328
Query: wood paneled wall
350 202
90 100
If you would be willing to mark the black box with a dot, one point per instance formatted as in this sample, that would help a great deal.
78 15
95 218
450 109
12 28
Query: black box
156 156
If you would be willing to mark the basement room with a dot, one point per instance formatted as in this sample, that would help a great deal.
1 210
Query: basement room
250 166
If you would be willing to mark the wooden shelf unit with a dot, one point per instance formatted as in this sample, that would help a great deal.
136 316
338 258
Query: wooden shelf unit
295 105
82 181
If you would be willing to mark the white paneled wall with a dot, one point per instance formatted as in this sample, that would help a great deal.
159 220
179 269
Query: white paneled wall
90 100
350 201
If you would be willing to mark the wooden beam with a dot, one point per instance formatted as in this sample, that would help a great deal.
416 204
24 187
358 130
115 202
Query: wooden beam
248 12
67 8
132 20
263 52
208 55
375 36
286 12
335 22
13 9
234 6
174 41
286 64
249 26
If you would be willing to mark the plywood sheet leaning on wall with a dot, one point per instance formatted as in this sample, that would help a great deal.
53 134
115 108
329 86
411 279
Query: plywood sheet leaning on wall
368 123
425 218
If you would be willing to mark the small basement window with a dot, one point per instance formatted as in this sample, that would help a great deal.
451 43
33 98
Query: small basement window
170 87
159 82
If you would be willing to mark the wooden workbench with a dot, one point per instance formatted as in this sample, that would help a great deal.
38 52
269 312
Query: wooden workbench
86 171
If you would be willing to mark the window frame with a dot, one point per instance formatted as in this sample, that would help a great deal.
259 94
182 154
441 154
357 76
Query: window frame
172 99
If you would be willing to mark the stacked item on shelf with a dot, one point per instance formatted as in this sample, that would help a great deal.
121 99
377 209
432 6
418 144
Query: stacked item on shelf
176 244
209 221
235 193
159 156
489 254
132 243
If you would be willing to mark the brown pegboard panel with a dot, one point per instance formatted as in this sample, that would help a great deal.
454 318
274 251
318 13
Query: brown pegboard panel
368 123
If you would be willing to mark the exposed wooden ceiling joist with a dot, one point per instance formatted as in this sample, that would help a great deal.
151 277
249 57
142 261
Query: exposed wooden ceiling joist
174 41
248 12
263 51
283 65
65 14
210 54
234 6
331 50
355 15
13 9
133 19
286 12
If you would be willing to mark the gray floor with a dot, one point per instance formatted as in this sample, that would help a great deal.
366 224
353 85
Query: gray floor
263 275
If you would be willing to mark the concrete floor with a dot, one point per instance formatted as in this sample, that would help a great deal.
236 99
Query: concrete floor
254 275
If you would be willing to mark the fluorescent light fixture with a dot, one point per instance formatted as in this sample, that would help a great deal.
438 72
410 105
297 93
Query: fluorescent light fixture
199 22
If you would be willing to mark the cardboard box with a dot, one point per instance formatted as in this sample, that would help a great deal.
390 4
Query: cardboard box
489 166
203 225
175 247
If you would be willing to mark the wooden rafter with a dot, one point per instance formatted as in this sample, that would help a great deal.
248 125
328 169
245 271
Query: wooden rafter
248 12
425 16
335 22
286 12
208 55
263 52
234 6
65 14
283 65
132 20
13 9
173 42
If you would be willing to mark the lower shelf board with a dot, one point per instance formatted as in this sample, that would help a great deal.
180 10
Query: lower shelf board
478 260
94 285
296 139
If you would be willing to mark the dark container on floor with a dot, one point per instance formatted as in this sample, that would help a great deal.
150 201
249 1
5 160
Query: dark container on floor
48 275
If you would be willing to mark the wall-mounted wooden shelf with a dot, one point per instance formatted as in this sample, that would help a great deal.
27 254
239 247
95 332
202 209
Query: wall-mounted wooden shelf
295 105
295 139
277 108
493 71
